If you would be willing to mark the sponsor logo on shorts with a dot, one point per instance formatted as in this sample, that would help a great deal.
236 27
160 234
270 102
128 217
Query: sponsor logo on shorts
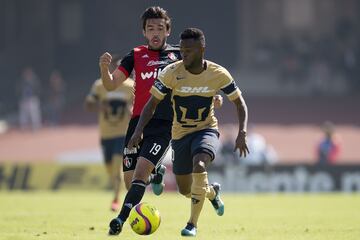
128 151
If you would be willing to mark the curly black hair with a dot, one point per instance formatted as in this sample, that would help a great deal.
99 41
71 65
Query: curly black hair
193 33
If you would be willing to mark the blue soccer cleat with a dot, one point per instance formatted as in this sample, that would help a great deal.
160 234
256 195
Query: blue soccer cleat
158 183
189 230
217 203
115 226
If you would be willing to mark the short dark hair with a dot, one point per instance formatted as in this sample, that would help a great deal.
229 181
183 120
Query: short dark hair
156 12
193 33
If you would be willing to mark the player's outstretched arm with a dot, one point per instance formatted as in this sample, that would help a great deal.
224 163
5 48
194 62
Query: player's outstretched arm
110 80
242 113
145 117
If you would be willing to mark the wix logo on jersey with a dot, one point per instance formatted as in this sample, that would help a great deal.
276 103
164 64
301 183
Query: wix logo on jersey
185 89
149 75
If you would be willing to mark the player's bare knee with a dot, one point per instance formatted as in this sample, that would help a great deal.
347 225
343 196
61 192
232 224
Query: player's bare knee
199 167
186 191
200 162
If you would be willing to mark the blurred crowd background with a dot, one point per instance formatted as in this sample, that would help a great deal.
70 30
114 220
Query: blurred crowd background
297 63
274 47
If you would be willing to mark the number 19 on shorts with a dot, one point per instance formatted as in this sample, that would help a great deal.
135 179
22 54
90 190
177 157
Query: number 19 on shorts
155 149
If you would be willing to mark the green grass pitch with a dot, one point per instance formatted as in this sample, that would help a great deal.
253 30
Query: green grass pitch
85 215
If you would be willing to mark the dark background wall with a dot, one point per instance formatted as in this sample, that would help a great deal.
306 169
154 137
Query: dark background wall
272 47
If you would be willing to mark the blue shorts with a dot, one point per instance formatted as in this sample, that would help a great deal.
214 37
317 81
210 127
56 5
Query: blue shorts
184 149
111 147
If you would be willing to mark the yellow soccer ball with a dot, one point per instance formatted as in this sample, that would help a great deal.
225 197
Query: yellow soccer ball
144 219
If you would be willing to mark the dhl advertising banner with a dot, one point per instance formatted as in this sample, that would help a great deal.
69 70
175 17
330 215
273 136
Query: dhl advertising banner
52 176
55 176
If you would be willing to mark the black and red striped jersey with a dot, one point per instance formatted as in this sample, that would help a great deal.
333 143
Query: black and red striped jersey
146 64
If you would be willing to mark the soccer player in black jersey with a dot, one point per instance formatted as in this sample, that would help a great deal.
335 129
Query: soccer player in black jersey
192 84
146 61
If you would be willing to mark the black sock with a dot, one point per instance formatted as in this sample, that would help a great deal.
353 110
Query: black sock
133 197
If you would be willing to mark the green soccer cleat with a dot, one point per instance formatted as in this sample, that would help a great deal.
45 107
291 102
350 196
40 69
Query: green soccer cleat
189 230
115 226
158 183
217 203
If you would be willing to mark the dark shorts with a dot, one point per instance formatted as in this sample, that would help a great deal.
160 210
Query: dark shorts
184 149
111 147
153 147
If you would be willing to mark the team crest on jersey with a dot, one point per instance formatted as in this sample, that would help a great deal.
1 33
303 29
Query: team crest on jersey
172 56
127 162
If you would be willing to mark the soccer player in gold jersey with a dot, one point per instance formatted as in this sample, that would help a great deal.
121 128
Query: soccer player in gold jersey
146 62
193 83
114 110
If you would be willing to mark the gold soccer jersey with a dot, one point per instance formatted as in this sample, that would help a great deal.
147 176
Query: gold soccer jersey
115 107
192 95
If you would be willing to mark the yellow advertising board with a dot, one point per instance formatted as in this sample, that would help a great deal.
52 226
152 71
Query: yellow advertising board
52 176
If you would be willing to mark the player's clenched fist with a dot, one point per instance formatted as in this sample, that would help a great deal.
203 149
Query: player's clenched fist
105 61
